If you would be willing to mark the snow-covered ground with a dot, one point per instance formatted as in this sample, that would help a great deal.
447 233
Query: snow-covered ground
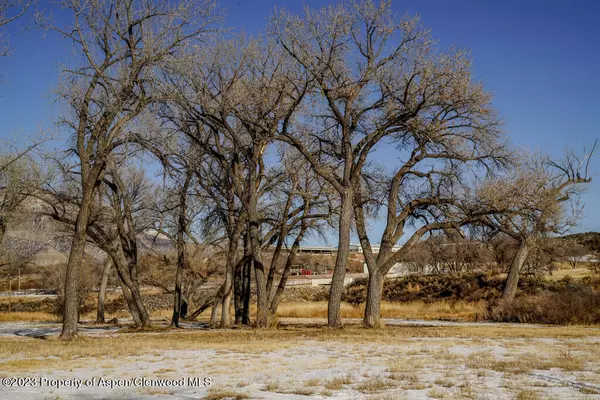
416 367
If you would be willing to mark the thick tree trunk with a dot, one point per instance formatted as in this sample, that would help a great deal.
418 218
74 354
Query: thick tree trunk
253 229
373 306
247 278
71 300
106 270
262 307
130 287
226 304
512 280
178 282
334 318
238 288
215 306
135 290
133 309
229 277
215 310
181 249
3 226
137 297
240 283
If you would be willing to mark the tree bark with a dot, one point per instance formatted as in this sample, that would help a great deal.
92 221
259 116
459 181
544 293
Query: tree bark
373 306
3 226
133 309
253 229
129 284
181 249
238 288
106 270
512 280
178 282
229 277
262 306
247 278
71 300
215 310
334 318
215 306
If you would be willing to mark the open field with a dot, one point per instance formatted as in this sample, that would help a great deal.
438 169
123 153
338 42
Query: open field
427 349
467 360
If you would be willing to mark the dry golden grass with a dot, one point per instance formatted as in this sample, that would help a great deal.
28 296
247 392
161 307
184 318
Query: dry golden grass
374 385
568 362
589 391
406 365
14 299
339 382
460 310
527 395
45 317
27 316
445 382
437 393
300 391
312 382
217 394
566 270
272 386
526 363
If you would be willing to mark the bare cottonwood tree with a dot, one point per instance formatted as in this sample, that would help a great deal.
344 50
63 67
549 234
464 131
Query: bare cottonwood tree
238 96
380 81
117 217
217 167
120 46
535 199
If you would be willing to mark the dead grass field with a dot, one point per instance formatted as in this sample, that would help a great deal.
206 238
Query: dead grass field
440 310
565 270
450 362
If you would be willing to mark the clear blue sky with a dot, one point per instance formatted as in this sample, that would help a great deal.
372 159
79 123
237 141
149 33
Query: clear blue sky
540 59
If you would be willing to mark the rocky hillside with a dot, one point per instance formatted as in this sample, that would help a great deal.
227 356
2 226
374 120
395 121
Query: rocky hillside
36 240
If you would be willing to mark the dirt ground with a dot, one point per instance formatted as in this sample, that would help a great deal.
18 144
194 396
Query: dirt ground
303 360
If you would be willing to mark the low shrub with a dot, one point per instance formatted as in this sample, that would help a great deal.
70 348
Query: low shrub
575 304
474 286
